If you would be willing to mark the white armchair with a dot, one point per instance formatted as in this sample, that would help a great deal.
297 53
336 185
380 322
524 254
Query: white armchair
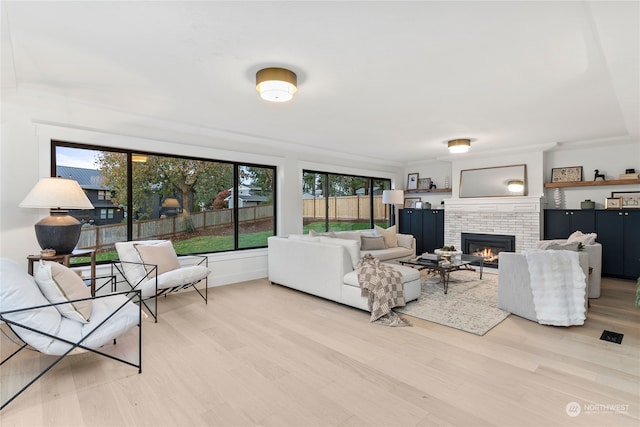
515 293
40 312
152 267
592 248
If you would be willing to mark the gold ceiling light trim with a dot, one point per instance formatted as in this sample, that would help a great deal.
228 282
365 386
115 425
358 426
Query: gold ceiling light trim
276 84
459 145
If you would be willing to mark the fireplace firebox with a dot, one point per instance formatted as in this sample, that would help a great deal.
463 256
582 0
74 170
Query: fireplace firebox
487 246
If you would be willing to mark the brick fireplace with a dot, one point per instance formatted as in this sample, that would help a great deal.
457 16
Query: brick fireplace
514 216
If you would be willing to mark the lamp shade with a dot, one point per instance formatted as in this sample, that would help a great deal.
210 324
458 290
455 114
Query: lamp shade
56 193
57 231
276 84
459 145
392 197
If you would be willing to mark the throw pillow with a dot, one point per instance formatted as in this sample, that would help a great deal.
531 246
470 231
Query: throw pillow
60 284
390 236
372 243
580 237
161 254
405 240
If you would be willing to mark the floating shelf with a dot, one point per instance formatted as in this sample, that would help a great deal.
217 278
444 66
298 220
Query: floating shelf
592 183
424 190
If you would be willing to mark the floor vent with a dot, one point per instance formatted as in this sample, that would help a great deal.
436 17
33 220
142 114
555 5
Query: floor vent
611 337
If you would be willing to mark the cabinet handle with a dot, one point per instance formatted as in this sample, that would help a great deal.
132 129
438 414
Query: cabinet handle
626 213
619 213
566 213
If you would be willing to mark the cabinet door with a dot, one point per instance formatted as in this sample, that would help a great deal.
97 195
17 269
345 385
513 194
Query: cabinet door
557 224
609 226
411 223
631 248
433 229
584 221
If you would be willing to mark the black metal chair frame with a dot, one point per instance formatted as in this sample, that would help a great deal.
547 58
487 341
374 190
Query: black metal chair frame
74 345
152 274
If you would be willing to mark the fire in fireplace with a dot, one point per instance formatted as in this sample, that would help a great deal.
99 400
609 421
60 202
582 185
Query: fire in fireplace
487 246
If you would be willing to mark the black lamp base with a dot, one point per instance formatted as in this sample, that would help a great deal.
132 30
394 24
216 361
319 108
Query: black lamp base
58 231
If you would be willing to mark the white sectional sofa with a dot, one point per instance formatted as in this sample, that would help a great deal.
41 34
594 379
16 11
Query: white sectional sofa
327 266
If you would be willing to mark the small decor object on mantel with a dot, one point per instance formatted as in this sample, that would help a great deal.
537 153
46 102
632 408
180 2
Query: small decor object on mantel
599 175
613 203
568 174
587 204
630 199
424 183
412 181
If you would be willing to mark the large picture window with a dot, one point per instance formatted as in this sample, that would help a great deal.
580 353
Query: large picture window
334 202
201 205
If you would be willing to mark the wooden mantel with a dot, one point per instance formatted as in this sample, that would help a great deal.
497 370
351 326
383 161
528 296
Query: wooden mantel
592 183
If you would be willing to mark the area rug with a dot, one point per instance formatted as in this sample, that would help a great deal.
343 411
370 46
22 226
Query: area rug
470 304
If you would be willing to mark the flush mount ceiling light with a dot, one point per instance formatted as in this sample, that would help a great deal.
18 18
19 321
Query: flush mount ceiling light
276 84
515 185
459 145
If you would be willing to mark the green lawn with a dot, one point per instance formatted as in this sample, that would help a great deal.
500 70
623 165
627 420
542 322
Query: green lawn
210 244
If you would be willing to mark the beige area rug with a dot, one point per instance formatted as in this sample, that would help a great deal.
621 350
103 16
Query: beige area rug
470 304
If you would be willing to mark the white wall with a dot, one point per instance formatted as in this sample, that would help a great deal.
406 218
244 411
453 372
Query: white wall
30 121
612 157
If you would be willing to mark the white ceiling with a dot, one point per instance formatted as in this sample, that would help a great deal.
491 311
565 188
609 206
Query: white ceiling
395 79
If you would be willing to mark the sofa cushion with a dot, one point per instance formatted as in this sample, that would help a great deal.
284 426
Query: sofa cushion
372 243
314 233
352 247
559 245
350 235
580 237
392 253
61 284
408 274
389 234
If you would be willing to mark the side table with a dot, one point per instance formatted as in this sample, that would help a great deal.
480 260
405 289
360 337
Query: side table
65 259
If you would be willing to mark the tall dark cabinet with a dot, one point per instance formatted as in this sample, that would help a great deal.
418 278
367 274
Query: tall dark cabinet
619 233
426 225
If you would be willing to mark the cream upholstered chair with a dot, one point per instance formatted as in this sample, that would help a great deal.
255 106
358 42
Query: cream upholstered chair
55 314
515 293
592 248
153 267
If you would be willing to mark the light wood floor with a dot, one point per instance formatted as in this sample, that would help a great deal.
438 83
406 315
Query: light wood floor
261 354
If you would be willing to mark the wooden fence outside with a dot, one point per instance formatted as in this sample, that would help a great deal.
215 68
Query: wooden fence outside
348 208
104 236
355 208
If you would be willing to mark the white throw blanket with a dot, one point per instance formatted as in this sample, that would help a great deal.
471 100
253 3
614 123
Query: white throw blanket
558 285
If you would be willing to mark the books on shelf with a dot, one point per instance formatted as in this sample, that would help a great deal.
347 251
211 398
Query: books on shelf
629 176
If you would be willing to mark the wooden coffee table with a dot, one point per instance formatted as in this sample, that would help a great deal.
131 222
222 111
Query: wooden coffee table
446 268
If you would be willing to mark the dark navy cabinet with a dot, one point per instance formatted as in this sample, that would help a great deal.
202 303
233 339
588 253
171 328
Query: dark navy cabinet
426 225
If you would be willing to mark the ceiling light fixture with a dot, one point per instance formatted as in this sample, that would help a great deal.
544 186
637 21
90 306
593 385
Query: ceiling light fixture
276 84
459 145
515 185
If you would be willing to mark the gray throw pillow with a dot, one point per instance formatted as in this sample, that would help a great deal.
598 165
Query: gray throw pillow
372 243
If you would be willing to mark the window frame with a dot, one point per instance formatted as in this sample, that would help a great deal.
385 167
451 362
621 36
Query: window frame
54 143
